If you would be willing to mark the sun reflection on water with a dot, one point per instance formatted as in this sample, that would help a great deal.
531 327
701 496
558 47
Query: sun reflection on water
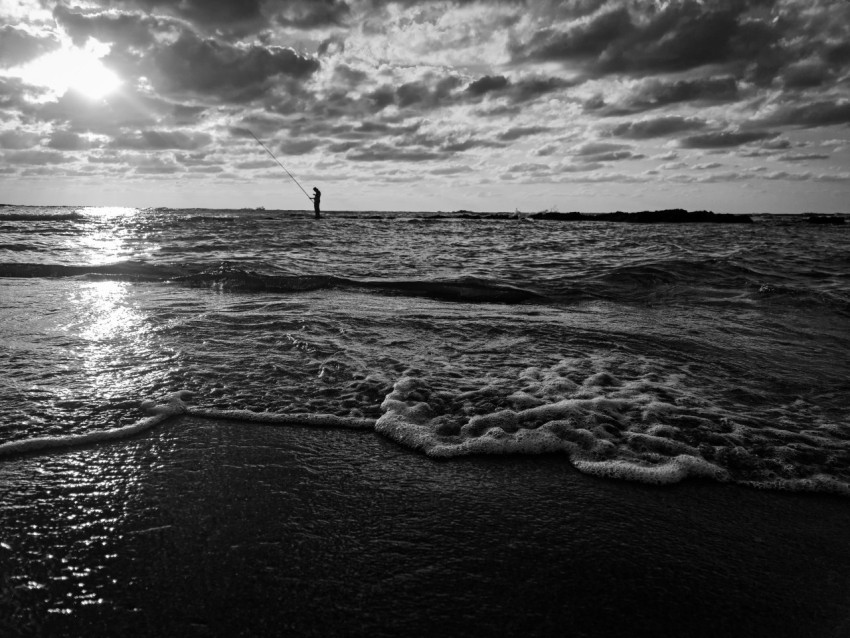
104 310
114 337
108 211
106 241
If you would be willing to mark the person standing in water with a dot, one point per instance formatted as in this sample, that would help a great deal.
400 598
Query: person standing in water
317 197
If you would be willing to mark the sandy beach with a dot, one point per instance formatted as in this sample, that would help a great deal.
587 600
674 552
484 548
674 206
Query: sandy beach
217 528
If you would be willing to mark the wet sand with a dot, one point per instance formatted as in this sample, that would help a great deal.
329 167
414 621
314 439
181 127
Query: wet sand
216 528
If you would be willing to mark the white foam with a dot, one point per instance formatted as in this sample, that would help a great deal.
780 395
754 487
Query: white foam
174 406
669 471
646 427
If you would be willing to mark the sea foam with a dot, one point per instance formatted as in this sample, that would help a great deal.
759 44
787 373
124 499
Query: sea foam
609 419
174 406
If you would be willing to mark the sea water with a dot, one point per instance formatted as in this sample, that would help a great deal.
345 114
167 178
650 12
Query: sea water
645 352
439 378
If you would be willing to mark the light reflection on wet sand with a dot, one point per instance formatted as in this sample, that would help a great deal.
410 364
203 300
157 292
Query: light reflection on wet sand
222 528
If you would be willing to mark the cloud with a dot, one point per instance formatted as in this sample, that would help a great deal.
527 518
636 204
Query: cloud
808 115
127 30
157 166
459 88
638 37
153 140
724 139
68 141
299 146
656 93
17 140
383 152
802 157
235 18
18 46
603 152
656 127
518 132
34 156
488 83
451 170
518 91
212 68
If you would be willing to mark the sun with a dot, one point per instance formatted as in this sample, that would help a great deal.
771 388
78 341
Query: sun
78 69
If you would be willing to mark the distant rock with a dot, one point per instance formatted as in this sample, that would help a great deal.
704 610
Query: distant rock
669 216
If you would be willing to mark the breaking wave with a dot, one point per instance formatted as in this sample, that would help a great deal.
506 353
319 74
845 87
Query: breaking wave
641 429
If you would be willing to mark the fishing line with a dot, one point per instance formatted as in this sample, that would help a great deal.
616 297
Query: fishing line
278 163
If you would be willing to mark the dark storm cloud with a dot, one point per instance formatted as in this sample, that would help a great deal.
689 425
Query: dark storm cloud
657 127
654 93
488 83
238 18
585 40
428 93
209 67
125 29
805 75
241 17
725 139
637 37
813 114
522 90
18 46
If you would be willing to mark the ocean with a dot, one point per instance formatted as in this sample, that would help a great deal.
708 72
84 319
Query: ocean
234 422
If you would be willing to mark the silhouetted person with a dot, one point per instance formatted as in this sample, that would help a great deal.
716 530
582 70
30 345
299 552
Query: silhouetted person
317 197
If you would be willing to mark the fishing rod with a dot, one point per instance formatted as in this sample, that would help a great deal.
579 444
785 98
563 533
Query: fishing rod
278 162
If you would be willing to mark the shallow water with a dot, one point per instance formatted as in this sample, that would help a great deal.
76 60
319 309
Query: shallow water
343 354
642 351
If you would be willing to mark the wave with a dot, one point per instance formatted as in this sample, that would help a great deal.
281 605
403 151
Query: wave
714 278
627 429
701 280
40 216
160 412
227 277
122 271
464 289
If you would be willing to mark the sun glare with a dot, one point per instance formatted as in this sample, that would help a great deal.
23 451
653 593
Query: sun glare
74 68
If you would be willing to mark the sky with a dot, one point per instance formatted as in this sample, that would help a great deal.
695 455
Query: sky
738 106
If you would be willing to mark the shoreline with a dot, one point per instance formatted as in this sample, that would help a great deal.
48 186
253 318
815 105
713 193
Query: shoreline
222 528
